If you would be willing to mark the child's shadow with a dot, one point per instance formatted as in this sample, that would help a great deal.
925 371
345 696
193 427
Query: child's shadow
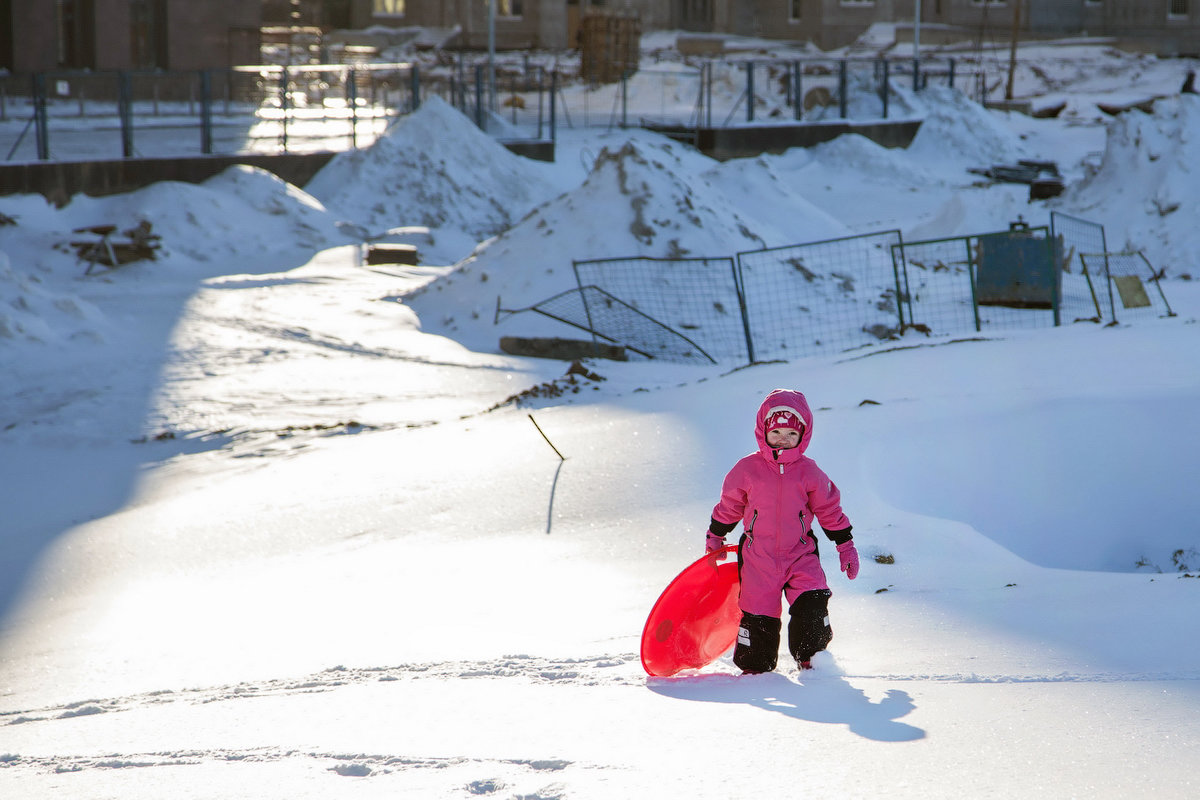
827 698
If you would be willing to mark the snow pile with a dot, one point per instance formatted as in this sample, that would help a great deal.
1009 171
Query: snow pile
1155 153
782 214
29 312
275 210
639 200
881 164
958 131
433 168
240 211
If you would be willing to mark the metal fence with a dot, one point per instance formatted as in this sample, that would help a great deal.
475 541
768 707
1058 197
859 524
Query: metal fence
592 309
724 93
776 303
1078 236
698 298
1007 279
265 109
1129 286
260 109
321 107
836 294
843 294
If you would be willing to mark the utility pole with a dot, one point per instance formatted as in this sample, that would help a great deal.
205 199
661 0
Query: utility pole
1012 50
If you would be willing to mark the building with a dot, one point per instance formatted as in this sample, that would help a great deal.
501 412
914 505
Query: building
187 34
38 35
1169 27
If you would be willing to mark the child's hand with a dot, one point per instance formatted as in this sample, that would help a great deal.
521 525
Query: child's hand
713 543
849 558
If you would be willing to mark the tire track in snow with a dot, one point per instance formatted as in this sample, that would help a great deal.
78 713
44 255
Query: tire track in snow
356 765
608 670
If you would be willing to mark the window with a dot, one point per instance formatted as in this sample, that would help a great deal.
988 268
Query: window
389 8
1178 8
509 8
795 10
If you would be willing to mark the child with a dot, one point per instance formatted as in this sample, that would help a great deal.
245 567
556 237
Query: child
777 492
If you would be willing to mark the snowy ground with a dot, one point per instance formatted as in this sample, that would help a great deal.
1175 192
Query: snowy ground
270 528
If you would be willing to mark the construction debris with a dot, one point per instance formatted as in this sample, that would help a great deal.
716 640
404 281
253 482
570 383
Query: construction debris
1043 177
562 349
139 244
392 253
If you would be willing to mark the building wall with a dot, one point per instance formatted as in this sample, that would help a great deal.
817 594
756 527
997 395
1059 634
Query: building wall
198 34
219 33
30 27
111 36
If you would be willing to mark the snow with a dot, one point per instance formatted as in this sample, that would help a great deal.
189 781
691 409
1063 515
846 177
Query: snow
271 527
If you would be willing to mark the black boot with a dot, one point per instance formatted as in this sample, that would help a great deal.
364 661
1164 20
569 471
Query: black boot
808 626
757 644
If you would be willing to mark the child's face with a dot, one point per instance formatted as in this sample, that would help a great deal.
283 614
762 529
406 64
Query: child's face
783 438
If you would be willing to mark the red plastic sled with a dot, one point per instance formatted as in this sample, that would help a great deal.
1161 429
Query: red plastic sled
696 617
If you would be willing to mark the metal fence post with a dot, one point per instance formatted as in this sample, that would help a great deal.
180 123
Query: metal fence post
901 292
886 88
479 97
125 111
797 93
740 289
1056 283
284 102
553 106
41 130
951 73
749 91
352 101
971 276
624 99
206 138
916 74
416 87
541 90
842 100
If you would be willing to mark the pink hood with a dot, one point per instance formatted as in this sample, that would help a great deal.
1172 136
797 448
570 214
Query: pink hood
793 401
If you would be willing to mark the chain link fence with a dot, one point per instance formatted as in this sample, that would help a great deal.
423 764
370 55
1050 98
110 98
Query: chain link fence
697 298
1079 236
811 298
848 293
300 108
594 310
1008 279
1131 287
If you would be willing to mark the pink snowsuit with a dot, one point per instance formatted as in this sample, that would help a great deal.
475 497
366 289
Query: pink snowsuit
777 494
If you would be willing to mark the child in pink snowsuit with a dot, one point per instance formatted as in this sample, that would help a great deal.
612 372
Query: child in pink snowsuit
776 493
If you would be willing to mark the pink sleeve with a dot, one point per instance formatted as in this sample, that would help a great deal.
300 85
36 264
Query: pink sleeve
825 500
732 505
